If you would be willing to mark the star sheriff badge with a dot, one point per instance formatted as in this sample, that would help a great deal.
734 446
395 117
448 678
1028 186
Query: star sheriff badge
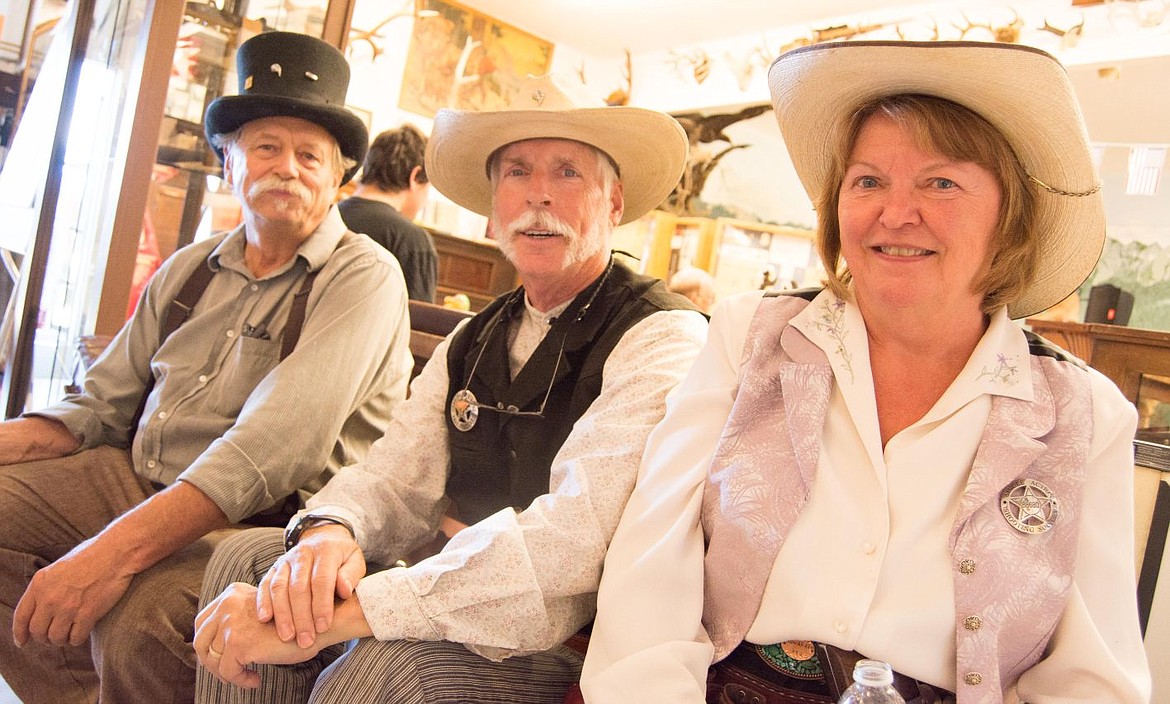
1029 506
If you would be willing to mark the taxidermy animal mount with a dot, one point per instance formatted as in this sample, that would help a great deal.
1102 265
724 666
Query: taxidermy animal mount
702 130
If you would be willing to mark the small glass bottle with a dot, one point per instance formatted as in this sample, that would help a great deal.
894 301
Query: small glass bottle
873 683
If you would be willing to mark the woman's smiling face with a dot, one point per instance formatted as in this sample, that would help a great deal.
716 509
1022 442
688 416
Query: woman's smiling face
916 226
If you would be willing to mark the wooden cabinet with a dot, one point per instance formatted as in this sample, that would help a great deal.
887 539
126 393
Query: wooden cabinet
1138 361
1128 356
476 268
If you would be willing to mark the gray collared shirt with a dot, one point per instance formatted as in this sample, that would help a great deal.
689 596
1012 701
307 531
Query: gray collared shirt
224 415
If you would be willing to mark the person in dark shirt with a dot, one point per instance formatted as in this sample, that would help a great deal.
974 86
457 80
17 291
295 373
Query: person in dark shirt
391 190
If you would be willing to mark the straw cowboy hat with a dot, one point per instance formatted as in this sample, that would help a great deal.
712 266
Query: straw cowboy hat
295 75
649 148
1022 91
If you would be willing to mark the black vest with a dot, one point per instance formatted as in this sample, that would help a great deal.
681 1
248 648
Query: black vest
504 460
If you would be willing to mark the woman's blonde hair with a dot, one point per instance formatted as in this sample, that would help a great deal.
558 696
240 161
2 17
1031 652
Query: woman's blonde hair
960 134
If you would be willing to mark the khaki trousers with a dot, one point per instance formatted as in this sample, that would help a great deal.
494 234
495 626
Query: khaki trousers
141 650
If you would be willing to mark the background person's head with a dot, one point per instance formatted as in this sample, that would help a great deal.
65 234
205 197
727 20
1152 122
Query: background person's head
697 285
1008 109
395 164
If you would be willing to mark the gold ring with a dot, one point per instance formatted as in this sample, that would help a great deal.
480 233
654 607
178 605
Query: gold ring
213 653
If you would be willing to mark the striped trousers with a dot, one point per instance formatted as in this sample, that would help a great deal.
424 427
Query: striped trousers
373 671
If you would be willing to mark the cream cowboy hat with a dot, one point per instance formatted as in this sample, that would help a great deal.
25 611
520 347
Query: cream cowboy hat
648 147
1022 91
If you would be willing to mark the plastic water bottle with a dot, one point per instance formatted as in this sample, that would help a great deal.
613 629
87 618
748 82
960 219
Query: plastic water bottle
873 683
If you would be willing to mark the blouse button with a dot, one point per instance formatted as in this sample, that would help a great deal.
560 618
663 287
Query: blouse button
150 464
967 566
868 548
162 415
840 626
231 334
254 287
202 378
972 623
973 678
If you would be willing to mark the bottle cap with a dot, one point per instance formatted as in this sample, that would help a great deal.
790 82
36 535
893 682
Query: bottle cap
873 673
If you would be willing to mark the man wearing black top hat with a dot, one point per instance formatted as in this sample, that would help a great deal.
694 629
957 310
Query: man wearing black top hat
257 362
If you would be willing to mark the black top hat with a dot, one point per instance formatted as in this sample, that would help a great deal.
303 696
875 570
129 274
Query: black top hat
295 75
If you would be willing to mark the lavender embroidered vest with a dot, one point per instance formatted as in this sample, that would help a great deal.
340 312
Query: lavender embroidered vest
1014 584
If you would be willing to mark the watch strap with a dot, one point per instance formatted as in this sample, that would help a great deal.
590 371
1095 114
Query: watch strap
292 535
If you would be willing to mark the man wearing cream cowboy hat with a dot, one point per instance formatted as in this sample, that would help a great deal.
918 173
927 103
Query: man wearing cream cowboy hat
217 386
525 427
930 485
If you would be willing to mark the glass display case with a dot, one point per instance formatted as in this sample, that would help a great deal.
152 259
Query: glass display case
644 244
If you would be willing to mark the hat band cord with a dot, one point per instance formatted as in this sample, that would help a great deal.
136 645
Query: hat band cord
1059 192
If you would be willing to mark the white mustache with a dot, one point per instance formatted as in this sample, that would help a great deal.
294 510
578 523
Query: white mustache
275 183
541 220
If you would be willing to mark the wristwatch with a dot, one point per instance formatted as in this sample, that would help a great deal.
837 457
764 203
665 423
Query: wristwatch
292 534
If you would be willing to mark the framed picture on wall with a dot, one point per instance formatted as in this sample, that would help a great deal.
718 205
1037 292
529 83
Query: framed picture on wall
461 58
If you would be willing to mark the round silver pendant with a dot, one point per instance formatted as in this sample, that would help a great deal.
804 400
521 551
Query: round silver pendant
464 412
1029 506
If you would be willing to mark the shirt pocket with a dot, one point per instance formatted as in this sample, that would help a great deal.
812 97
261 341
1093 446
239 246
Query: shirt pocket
246 365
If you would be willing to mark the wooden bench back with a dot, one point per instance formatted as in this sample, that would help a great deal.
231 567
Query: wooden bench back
429 324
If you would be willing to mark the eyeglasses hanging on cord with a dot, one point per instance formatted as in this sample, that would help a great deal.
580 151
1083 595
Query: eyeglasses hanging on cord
465 406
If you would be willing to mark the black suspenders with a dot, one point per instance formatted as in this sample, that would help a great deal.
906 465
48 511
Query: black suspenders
182 305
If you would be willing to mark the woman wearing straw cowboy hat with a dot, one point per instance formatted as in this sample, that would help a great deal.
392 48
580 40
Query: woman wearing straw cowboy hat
526 426
891 466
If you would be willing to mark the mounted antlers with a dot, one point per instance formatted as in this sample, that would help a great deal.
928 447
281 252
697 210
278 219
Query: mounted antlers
1008 33
698 60
1068 37
934 32
621 96
745 68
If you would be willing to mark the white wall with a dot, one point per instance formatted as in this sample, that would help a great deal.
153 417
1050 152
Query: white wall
1133 106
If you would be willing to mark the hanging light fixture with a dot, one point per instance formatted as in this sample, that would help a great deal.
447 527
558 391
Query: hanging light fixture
1145 170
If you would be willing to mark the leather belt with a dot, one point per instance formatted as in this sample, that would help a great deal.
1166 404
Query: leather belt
745 678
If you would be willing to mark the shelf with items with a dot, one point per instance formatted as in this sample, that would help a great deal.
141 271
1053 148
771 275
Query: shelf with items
200 70
203 54
740 255
748 256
